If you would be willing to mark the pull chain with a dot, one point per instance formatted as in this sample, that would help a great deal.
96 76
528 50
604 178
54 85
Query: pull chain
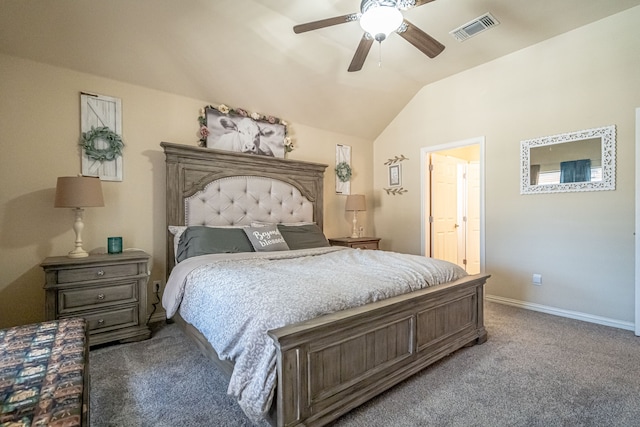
380 54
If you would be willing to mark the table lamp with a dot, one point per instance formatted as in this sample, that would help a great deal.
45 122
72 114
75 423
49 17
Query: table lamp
355 203
78 192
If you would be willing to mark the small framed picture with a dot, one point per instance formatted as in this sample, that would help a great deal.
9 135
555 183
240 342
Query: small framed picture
395 175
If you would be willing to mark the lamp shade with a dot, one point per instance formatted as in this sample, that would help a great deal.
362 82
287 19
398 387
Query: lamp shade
78 192
355 202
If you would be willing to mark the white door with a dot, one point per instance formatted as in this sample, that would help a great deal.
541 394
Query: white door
444 207
455 184
472 224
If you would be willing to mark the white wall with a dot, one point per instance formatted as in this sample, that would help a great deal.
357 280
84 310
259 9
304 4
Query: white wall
581 243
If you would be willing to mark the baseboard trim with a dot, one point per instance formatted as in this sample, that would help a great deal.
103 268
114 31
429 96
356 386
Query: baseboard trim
563 313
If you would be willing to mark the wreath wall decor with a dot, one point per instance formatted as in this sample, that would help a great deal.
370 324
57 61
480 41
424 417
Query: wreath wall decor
103 133
343 171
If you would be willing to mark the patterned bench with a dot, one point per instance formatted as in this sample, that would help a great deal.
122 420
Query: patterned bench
44 374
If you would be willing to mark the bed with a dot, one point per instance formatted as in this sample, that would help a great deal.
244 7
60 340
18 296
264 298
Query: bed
326 365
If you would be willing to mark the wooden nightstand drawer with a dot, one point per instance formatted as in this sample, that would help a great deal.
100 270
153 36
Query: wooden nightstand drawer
109 290
365 245
94 273
112 319
70 300
356 242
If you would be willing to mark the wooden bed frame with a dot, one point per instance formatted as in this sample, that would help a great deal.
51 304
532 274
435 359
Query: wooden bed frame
331 364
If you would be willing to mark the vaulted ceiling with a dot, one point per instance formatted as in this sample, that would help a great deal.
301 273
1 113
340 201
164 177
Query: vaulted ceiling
245 54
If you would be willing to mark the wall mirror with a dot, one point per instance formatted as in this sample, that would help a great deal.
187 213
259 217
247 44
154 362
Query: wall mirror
576 161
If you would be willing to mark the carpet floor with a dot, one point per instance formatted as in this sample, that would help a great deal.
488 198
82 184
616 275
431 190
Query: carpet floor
535 370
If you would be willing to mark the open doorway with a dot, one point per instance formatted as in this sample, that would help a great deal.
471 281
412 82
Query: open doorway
453 203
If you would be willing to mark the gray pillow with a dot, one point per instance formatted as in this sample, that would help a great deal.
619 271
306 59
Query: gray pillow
200 240
303 236
266 239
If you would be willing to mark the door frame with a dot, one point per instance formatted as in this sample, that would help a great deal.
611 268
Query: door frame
425 231
637 226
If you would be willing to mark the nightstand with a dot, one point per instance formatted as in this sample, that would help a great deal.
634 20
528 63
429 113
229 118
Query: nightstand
108 290
356 242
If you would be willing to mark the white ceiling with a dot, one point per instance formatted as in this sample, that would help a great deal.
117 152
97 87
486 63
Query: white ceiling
244 53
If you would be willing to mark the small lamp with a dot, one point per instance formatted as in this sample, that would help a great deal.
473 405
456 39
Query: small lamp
78 192
355 203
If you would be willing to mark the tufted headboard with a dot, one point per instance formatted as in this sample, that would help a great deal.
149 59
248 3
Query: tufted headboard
240 200
213 187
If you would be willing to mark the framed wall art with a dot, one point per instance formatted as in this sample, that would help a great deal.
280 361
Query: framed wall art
395 175
224 128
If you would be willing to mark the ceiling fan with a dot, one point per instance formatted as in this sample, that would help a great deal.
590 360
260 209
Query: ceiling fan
379 18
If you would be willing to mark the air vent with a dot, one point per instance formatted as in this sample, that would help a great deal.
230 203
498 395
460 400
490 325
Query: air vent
474 27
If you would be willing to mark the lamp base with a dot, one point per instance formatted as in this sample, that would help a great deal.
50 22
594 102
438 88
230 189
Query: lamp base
354 232
78 225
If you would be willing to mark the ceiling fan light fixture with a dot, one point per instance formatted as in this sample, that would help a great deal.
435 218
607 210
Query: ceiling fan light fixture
380 18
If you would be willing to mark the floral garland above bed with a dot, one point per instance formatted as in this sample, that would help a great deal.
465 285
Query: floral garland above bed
224 109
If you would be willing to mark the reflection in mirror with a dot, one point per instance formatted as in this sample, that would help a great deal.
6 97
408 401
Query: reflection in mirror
577 161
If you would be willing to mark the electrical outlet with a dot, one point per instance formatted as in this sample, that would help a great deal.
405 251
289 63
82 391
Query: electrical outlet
156 286
537 279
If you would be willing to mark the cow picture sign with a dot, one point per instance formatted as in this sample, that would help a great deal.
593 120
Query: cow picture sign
223 128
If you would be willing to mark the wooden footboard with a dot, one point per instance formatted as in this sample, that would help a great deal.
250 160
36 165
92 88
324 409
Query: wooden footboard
332 364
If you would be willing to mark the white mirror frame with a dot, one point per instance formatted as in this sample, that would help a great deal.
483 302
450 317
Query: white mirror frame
608 137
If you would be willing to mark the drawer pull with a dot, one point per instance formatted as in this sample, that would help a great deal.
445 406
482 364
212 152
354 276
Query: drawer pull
100 273
100 322
100 297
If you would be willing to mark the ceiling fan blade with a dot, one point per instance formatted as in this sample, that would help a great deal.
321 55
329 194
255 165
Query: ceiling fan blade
421 40
361 53
315 25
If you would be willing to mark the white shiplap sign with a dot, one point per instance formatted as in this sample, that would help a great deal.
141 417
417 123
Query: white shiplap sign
98 111
343 154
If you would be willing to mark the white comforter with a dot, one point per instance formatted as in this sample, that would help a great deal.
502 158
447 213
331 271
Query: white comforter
234 299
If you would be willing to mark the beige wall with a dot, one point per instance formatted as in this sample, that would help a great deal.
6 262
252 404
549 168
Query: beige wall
581 243
39 130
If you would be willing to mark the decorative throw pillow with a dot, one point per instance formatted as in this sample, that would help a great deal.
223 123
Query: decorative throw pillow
303 236
266 238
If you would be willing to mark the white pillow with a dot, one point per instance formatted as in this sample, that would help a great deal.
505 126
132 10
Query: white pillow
288 224
177 231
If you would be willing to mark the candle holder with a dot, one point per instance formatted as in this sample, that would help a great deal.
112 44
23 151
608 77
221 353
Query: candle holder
114 245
